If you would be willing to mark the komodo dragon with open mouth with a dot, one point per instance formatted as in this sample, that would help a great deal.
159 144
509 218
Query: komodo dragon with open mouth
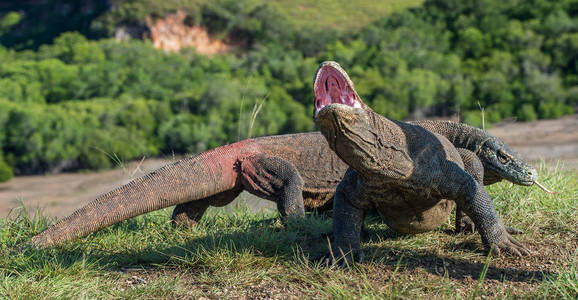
412 176
297 171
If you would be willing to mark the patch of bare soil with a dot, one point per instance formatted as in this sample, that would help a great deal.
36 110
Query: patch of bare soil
551 140
505 274
172 33
59 195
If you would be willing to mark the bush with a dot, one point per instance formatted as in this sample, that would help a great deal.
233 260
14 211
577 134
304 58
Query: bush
527 113
6 172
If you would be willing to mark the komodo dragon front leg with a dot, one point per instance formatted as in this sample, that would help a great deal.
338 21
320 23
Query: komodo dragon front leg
474 167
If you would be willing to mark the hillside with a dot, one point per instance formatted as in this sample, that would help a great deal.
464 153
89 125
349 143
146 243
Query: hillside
341 15
91 97
40 21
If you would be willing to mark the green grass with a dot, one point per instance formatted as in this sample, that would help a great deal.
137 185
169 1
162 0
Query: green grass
340 15
244 254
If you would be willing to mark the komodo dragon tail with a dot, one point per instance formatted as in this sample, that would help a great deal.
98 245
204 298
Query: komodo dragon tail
189 179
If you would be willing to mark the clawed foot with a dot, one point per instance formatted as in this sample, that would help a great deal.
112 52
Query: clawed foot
464 224
512 230
467 226
183 221
330 236
343 260
510 245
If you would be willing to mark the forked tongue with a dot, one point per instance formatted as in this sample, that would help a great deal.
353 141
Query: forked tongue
544 188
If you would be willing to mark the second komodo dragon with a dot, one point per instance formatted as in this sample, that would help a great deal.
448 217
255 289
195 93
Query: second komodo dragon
297 171
410 175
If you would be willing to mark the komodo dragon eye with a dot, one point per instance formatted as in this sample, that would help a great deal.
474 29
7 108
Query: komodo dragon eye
503 157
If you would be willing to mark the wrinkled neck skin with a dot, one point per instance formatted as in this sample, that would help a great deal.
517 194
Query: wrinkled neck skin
350 133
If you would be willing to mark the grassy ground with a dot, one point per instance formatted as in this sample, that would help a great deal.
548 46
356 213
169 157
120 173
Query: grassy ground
247 255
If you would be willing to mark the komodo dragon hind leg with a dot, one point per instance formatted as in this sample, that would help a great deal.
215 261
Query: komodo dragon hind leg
190 213
268 177
475 168
275 179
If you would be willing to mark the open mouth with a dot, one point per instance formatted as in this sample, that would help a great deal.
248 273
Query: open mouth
332 85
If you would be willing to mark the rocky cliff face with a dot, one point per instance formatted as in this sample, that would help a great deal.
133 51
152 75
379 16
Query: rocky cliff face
171 33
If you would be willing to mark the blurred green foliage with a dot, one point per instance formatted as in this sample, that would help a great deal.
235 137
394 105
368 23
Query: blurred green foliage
79 103
5 171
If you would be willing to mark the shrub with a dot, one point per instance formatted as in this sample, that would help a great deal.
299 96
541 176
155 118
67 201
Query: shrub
6 172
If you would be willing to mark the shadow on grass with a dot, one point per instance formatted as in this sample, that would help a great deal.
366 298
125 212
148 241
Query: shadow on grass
260 239
454 268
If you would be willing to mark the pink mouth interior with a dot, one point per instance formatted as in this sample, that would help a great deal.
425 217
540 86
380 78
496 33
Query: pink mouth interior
332 87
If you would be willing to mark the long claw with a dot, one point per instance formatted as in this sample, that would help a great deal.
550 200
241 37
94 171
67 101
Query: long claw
515 252
512 230
520 246
544 188
496 251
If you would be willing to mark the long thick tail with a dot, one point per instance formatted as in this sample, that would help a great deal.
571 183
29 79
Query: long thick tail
186 180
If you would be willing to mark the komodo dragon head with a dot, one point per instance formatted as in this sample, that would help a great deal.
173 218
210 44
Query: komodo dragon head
501 162
333 87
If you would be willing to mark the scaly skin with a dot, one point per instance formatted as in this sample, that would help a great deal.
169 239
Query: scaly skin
410 175
500 162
